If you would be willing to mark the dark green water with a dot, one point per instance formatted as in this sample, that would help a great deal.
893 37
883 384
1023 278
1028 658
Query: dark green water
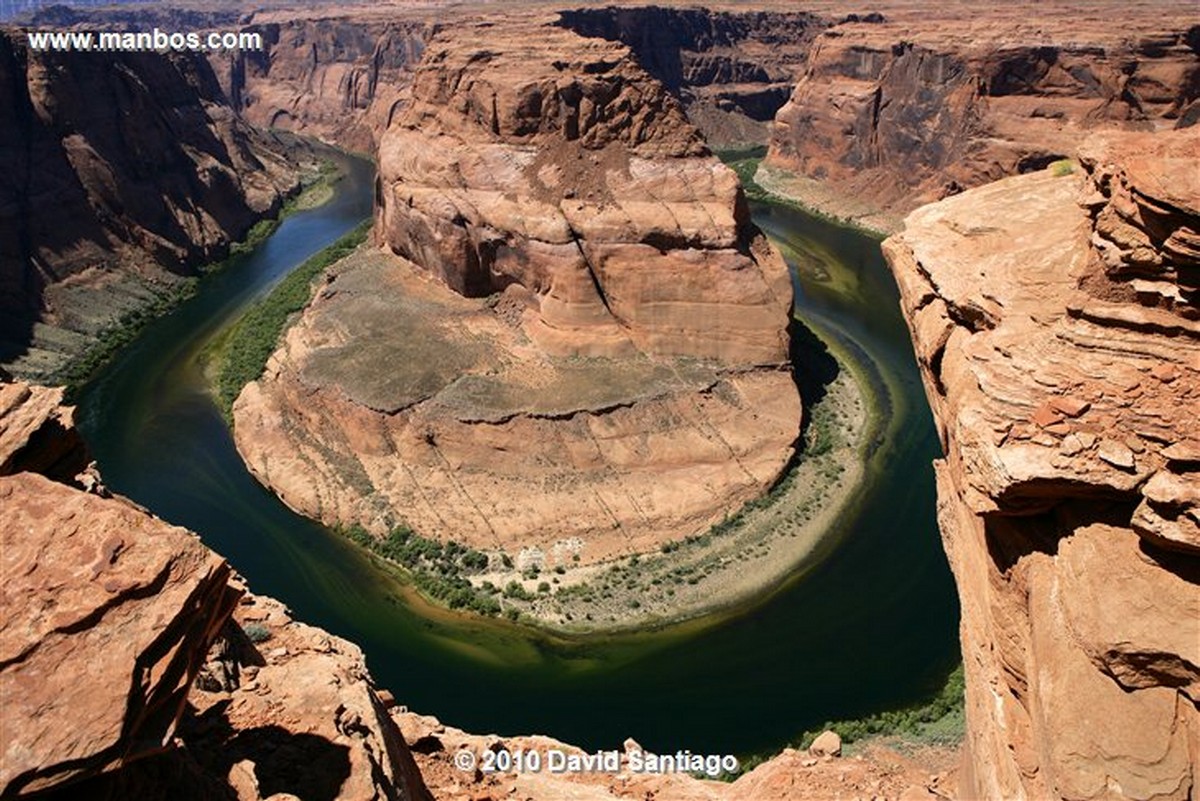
872 626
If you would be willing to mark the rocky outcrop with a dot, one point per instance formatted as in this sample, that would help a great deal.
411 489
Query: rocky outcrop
342 78
1055 320
921 104
605 325
94 587
123 172
553 162
129 666
874 772
732 71
37 434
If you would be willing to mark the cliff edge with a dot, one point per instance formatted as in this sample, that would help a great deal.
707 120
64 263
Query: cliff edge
1056 323
134 664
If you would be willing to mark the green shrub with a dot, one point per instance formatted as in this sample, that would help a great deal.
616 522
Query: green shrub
257 632
255 336
1061 168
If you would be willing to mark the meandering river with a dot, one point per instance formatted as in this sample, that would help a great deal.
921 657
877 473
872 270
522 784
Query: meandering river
871 626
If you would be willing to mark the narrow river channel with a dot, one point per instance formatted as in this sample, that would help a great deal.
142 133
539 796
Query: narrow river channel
873 625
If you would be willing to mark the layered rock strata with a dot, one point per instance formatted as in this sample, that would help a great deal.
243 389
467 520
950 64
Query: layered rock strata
125 670
342 78
731 70
123 172
914 105
578 316
1055 320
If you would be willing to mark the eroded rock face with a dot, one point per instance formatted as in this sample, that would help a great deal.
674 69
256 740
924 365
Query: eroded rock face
37 434
731 70
1055 321
123 172
621 350
545 159
875 772
923 104
108 614
339 78
109 617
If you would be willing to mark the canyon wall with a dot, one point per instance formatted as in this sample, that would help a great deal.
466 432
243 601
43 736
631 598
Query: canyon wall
1056 322
731 70
575 311
340 78
126 667
915 105
122 173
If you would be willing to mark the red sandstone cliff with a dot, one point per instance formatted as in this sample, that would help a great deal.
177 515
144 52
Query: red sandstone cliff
340 77
578 315
1055 318
121 174
124 668
922 103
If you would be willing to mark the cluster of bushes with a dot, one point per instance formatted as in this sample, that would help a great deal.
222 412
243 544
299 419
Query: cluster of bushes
941 719
438 569
945 708
254 338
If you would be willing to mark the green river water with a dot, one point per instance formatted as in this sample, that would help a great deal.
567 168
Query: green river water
872 625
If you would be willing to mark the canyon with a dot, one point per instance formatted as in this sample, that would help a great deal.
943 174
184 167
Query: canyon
121 180
561 269
914 104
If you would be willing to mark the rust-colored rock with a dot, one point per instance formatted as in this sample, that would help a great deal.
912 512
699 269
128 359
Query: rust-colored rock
340 77
122 173
37 434
1075 545
731 69
928 100
108 615
622 349
874 772
538 157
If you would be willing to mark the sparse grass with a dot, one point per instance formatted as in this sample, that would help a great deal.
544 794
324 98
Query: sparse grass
80 369
941 720
253 338
1062 168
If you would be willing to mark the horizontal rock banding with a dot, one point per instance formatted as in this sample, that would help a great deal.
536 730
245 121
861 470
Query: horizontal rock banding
625 383
923 103
1055 322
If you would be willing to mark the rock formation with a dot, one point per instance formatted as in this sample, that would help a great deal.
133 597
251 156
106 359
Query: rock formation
920 103
606 326
123 172
731 70
1056 324
110 615
340 77
874 772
